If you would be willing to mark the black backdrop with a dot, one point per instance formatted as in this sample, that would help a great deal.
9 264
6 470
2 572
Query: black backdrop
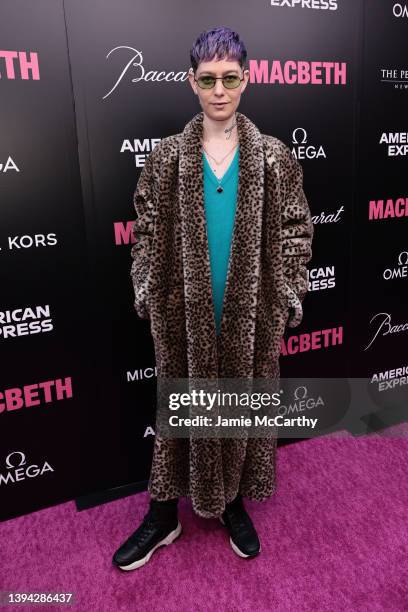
82 103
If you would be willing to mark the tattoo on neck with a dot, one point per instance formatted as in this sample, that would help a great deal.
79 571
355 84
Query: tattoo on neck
229 130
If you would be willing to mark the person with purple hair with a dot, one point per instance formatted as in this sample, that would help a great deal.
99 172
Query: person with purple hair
221 167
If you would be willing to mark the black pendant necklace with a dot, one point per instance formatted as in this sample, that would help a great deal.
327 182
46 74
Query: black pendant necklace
228 131
220 189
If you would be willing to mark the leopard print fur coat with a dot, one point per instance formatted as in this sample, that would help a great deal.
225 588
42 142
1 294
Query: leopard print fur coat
265 287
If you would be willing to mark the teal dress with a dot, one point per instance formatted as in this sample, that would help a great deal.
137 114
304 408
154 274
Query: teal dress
220 216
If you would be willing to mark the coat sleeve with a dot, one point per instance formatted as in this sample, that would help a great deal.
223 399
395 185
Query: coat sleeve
143 232
297 236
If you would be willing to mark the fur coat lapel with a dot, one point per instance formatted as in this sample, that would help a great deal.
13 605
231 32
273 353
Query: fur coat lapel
240 298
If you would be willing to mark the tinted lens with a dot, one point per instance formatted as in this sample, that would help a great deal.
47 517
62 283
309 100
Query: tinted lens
231 81
206 82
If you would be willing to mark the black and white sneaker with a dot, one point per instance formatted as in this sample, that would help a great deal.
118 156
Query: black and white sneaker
159 527
243 536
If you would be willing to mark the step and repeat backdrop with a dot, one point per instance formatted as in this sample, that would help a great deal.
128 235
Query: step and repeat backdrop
87 91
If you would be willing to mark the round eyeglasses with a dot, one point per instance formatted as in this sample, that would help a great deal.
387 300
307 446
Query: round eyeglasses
231 81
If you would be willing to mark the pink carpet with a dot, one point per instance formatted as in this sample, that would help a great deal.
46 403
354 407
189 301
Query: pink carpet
334 537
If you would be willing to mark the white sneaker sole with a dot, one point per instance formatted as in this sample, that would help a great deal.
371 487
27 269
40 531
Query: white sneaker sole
235 547
165 542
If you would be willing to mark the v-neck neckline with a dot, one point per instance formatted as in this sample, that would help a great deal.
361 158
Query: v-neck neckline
226 174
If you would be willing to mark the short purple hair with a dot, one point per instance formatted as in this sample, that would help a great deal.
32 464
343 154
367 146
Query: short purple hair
221 42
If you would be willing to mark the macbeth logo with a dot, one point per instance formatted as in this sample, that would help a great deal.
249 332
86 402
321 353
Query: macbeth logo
18 469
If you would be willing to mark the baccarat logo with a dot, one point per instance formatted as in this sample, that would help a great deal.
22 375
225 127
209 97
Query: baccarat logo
382 325
329 217
137 72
